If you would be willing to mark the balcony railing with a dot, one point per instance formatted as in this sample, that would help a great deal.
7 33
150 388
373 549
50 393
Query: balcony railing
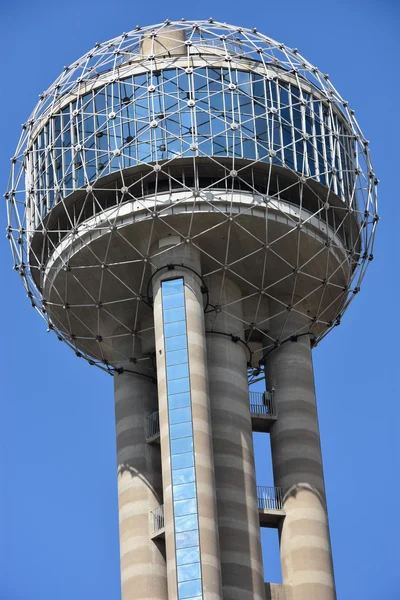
234 46
270 507
158 519
262 404
269 498
153 425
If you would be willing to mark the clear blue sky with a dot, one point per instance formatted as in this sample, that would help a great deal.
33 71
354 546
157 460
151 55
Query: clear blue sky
58 500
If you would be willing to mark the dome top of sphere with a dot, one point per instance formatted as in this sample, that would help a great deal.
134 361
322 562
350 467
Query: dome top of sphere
233 42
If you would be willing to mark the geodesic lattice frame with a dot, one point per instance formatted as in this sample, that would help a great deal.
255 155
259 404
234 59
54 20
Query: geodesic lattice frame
231 46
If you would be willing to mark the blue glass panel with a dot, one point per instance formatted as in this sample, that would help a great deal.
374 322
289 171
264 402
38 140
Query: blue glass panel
181 461
173 329
183 476
181 445
181 430
184 491
189 572
178 400
187 556
177 386
180 415
135 107
173 301
173 286
176 357
178 371
187 539
188 589
186 523
174 314
176 343
185 507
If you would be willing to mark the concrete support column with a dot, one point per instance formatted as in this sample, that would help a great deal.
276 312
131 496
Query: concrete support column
143 570
187 255
306 555
238 519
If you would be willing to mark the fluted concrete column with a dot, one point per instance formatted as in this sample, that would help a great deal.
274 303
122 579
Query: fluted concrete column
143 570
187 255
306 555
238 519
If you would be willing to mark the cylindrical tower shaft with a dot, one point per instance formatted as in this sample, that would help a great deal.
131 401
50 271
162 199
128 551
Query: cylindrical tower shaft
186 441
238 519
306 555
143 570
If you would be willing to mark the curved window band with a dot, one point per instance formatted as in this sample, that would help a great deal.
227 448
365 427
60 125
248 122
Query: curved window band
122 125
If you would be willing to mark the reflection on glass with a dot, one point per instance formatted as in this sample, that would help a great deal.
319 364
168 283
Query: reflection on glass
184 490
174 329
187 523
188 572
180 415
176 343
176 357
174 314
183 475
181 441
186 539
187 556
180 430
188 589
185 507
179 400
177 386
173 301
306 133
180 446
177 371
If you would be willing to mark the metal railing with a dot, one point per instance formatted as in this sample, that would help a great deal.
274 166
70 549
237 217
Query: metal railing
153 425
231 45
262 404
158 518
269 498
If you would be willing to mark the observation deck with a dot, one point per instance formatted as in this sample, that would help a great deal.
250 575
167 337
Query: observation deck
195 130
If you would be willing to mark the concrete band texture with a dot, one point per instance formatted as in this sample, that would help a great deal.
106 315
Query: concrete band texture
306 555
238 520
143 567
229 530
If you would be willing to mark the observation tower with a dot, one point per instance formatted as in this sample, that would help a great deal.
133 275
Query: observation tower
191 206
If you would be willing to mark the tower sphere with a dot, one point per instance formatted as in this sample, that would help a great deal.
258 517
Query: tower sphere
190 133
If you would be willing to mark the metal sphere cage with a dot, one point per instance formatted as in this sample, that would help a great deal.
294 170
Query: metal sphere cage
209 134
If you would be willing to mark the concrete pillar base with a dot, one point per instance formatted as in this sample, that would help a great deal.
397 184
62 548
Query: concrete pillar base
143 568
306 556
238 519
